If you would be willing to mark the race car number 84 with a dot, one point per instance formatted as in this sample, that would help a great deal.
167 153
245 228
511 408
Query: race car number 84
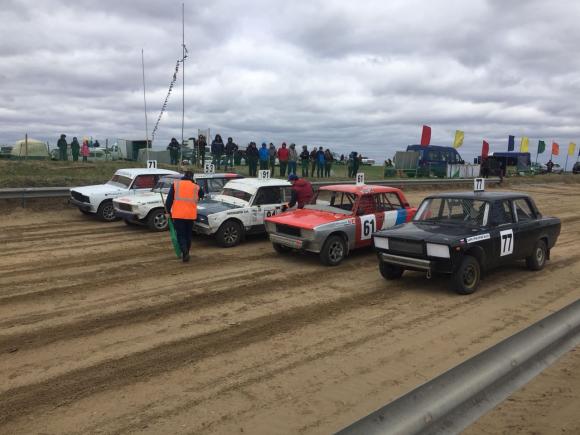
368 226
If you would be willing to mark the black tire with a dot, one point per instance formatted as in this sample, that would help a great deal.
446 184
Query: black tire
156 220
537 260
230 234
281 249
390 271
333 251
106 211
466 278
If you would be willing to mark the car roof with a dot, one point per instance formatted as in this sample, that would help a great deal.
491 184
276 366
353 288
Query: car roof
258 182
486 196
133 172
359 189
218 175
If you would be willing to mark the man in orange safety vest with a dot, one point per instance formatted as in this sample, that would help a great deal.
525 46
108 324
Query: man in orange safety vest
182 205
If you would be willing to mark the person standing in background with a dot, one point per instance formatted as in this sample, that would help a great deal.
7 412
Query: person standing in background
62 146
217 150
292 159
252 156
304 158
85 151
320 163
272 158
327 162
264 157
201 144
75 148
173 148
313 161
231 149
283 155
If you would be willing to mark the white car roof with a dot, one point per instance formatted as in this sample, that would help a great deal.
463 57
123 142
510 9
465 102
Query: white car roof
251 185
133 172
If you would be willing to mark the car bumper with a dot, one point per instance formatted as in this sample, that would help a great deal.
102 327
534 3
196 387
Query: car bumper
444 265
200 228
296 242
127 215
85 206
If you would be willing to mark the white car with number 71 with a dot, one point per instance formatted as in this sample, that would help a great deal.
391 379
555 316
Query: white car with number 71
241 208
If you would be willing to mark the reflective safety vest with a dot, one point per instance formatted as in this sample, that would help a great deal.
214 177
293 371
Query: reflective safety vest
184 200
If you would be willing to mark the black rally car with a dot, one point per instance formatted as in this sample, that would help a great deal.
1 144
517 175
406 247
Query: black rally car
464 234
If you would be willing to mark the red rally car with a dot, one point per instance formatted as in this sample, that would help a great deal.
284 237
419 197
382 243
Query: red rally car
341 218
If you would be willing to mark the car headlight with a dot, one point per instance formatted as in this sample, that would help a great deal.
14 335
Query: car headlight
436 250
381 242
307 234
201 218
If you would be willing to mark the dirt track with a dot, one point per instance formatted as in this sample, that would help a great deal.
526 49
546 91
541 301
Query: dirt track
103 330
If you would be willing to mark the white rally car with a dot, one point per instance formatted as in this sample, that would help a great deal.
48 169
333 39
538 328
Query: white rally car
241 208
98 199
149 207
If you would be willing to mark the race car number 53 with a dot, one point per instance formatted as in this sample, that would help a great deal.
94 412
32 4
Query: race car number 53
368 226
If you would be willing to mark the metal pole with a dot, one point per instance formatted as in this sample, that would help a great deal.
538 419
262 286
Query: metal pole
182 80
26 146
145 106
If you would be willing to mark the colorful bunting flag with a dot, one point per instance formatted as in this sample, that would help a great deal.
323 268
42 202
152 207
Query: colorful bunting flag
524 145
541 146
459 135
555 149
426 136
484 150
571 148
511 143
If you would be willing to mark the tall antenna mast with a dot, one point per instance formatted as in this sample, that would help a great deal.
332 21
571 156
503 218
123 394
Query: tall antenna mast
145 105
182 80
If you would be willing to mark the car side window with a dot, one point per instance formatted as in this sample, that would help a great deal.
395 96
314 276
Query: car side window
268 195
366 205
503 213
144 182
523 210
215 184
388 201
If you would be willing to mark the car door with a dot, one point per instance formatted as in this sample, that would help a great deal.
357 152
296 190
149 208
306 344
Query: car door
526 227
267 202
368 219
502 232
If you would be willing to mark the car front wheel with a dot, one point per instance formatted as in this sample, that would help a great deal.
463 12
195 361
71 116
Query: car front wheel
157 221
106 211
537 260
390 271
466 278
230 234
333 251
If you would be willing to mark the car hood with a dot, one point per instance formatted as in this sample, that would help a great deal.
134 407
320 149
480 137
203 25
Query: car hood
209 206
434 233
100 189
307 219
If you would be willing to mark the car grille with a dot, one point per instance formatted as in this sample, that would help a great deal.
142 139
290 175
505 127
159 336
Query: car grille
124 207
79 197
405 246
287 229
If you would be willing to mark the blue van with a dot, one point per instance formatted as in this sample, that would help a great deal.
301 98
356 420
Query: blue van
433 159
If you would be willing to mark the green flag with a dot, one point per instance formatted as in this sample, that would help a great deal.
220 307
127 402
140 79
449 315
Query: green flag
541 146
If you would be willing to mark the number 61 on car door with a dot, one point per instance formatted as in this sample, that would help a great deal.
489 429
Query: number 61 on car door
368 225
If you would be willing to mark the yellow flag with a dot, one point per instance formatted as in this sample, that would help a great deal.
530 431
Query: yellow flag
524 145
459 135
571 148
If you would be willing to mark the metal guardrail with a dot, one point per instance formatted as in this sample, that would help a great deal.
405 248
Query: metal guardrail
450 402
62 192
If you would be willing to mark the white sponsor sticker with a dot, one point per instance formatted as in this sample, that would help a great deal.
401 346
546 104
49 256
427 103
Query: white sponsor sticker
390 219
478 238
506 242
368 226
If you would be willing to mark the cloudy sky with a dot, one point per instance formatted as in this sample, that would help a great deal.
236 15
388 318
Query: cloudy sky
362 75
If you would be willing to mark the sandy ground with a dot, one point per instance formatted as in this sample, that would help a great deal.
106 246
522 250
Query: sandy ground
102 330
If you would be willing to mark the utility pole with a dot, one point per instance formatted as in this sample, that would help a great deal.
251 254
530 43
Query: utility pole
145 106
182 81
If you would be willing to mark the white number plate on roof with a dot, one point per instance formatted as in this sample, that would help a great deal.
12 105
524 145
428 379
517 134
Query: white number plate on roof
479 185
151 164
263 174
209 168
360 178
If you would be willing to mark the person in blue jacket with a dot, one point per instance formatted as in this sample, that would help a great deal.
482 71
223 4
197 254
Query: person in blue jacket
264 156
320 161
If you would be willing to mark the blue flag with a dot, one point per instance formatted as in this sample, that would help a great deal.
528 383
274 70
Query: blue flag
511 143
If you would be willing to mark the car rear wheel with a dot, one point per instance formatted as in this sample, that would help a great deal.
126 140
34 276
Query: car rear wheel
390 271
281 249
230 234
333 251
537 260
466 278
156 220
106 212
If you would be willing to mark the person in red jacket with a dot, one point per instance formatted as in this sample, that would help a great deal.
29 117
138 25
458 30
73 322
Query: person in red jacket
283 159
302 192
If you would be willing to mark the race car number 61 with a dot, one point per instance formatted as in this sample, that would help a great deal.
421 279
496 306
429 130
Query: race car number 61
368 226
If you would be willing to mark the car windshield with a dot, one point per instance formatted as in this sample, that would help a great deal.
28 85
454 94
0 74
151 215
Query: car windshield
463 211
120 181
333 202
235 193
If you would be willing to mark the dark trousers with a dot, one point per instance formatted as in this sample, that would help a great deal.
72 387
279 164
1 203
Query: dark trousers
217 157
283 166
184 233
320 169
264 165
305 168
291 168
327 167
62 153
253 166
272 165
75 156
312 168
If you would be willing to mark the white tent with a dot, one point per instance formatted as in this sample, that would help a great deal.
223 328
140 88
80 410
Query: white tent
32 149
